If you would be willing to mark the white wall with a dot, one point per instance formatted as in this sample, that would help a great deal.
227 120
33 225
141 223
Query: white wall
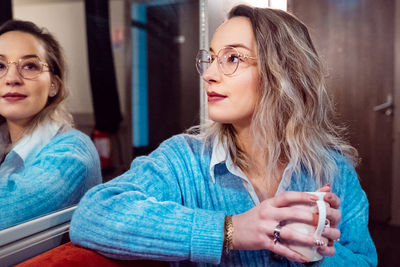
66 20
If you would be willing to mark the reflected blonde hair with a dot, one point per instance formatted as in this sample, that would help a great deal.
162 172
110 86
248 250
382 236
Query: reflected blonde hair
293 120
54 109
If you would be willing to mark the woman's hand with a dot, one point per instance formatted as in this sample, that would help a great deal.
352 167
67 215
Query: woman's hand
333 216
254 229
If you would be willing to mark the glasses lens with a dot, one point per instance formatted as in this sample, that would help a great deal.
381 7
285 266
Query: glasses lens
30 67
203 60
228 59
3 67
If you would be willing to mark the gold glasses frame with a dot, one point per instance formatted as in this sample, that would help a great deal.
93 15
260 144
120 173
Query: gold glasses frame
204 59
18 63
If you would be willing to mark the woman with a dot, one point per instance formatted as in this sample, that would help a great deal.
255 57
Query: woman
45 165
222 196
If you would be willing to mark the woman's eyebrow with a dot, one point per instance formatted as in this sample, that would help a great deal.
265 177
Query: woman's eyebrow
30 55
23 57
239 45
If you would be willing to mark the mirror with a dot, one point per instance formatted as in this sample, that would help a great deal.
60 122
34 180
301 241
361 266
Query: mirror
66 21
158 93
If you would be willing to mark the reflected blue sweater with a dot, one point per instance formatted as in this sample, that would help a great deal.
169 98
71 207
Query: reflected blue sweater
46 177
169 207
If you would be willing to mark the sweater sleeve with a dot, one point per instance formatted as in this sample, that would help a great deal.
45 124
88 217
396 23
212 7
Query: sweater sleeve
57 177
356 247
142 214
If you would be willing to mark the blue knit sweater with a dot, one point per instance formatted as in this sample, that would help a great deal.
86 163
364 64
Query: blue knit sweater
168 207
47 178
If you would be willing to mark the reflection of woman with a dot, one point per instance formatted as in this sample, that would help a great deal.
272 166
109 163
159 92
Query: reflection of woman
271 133
45 165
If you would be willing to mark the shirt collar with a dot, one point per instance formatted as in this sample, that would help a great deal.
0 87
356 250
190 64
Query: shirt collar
33 143
221 155
218 155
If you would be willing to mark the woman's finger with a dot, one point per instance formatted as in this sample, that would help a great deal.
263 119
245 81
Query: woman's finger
325 188
288 198
333 234
332 199
334 216
281 249
327 250
302 213
290 235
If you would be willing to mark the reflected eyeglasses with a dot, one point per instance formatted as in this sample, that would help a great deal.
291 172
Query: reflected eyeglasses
28 68
228 60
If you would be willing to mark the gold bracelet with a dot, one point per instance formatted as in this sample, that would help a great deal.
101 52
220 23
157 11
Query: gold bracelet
228 234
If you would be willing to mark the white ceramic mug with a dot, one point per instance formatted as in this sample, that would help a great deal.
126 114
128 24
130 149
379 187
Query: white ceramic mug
311 252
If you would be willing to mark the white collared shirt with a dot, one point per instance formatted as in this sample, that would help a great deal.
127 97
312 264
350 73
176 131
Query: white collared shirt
221 155
28 146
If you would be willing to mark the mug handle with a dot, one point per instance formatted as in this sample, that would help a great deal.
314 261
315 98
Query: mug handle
321 216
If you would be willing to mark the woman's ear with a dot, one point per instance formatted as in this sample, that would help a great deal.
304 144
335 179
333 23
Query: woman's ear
54 87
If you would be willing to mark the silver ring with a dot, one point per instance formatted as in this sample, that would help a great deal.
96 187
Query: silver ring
277 233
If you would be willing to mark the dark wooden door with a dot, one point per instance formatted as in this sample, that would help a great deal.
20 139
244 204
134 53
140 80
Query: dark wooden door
355 40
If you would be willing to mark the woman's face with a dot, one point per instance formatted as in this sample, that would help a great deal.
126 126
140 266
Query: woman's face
21 99
232 98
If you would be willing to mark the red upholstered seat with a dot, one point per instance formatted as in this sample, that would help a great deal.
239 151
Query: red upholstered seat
71 255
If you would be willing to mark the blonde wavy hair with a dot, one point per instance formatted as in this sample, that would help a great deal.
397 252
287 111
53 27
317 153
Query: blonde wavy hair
54 109
293 120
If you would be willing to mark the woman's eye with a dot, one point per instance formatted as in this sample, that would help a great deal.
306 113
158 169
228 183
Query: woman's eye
232 58
212 58
3 66
30 66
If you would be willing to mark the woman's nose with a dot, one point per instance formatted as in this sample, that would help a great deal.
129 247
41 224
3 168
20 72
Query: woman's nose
12 76
212 74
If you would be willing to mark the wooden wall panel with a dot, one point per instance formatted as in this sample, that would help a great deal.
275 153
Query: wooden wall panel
355 39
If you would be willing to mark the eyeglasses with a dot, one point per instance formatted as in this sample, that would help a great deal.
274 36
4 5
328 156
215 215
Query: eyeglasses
28 68
228 60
